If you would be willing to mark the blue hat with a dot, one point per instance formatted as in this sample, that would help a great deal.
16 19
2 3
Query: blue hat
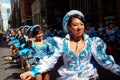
36 27
67 16
26 27
110 22
21 27
28 30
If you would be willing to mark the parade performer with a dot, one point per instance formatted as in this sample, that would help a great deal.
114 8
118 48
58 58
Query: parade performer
77 50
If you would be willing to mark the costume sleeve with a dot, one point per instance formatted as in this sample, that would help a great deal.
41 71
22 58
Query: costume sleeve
99 53
48 61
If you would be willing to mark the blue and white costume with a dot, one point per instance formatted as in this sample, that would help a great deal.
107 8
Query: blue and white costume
77 66
91 33
35 53
101 32
16 41
40 51
110 36
26 50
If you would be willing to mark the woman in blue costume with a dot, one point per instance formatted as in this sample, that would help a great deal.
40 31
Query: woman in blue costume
111 36
14 35
101 30
11 40
77 50
27 48
89 30
38 50
18 43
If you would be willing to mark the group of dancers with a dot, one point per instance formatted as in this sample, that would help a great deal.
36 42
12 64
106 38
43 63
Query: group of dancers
38 54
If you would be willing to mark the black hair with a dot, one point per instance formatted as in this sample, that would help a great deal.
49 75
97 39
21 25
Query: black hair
36 31
75 16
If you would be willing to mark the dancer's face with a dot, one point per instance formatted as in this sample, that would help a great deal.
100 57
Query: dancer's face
76 27
39 36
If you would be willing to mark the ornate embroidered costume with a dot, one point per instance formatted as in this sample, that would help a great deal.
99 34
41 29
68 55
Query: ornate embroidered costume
77 67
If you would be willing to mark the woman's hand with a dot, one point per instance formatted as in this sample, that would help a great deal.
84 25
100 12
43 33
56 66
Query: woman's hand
8 58
26 76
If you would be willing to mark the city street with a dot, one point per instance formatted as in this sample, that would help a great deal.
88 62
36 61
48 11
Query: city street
11 71
88 24
8 69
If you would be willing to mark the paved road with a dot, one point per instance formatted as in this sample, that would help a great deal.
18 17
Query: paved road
8 69
11 71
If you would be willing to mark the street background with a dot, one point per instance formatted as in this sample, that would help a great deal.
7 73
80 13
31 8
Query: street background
8 69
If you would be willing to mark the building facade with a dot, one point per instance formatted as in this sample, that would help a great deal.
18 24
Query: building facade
1 19
36 15
98 10
15 14
51 12
25 11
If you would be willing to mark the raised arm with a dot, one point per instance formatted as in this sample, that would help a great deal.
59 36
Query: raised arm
99 53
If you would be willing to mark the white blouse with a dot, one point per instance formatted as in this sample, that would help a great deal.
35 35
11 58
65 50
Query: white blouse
77 67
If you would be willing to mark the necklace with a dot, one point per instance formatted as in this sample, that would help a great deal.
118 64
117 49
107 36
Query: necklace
76 46
76 40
